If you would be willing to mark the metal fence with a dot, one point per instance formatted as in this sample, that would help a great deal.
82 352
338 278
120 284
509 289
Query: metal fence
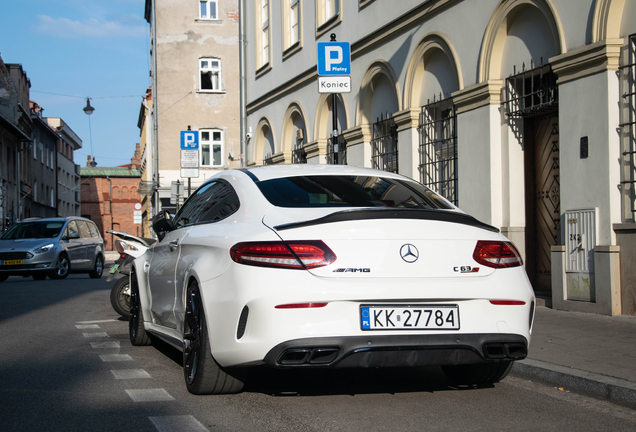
384 144
438 148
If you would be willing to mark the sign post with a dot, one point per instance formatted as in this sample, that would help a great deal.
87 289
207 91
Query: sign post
334 69
189 155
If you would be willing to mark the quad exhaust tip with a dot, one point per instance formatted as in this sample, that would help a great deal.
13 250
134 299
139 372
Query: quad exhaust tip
312 356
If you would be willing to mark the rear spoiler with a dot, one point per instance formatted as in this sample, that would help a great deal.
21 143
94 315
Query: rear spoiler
392 213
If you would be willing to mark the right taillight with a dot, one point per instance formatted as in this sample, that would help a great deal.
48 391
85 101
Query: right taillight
497 254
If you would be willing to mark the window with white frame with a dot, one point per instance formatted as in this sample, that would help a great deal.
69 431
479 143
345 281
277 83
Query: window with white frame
294 21
209 9
327 15
331 9
264 32
210 73
211 145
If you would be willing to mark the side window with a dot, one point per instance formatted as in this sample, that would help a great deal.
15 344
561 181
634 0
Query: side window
72 228
93 229
211 203
83 229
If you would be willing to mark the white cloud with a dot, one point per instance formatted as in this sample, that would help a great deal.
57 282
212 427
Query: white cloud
125 26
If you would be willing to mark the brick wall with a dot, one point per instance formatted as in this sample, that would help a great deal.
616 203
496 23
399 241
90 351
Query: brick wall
96 205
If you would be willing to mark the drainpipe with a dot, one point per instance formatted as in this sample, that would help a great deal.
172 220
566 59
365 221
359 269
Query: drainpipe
155 105
110 199
242 84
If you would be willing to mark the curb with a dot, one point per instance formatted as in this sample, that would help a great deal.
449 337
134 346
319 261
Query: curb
618 391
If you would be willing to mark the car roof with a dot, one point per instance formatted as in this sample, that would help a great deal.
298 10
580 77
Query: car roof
52 219
268 172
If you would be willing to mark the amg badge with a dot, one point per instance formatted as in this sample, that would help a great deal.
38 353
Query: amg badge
352 270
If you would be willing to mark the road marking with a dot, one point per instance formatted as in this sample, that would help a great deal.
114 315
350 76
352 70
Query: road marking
130 374
97 321
177 423
105 344
149 395
87 326
115 357
95 335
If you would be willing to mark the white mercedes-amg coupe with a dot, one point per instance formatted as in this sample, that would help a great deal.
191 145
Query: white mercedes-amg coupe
305 266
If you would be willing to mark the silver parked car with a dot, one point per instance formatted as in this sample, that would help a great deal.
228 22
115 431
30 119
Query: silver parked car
52 247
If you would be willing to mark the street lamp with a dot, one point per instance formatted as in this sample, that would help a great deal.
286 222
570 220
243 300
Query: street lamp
88 109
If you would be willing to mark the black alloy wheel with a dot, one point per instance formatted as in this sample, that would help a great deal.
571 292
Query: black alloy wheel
136 331
98 269
203 375
63 267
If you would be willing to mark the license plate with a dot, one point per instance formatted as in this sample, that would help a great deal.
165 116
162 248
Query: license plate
409 317
11 262
114 268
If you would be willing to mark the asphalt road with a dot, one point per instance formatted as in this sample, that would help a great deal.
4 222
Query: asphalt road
66 365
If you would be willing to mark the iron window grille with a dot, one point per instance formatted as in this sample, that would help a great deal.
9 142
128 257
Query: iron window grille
628 131
438 147
268 160
384 144
532 92
340 146
299 154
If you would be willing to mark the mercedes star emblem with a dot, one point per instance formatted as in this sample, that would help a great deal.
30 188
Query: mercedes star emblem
409 253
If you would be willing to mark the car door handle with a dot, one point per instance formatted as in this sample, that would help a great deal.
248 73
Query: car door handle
173 245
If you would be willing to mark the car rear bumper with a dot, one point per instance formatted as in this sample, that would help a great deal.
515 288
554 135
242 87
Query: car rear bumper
397 350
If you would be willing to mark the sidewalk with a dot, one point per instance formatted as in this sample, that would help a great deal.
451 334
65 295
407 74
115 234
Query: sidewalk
584 353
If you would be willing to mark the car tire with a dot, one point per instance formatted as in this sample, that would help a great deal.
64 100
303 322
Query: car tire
39 276
118 299
98 269
3 277
203 375
136 330
475 374
63 267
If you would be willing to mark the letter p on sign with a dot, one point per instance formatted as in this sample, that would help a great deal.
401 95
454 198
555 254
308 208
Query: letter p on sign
331 58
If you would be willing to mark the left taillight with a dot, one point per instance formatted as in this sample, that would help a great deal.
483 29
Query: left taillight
299 255
497 254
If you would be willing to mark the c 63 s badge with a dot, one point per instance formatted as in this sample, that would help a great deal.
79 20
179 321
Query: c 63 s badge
465 269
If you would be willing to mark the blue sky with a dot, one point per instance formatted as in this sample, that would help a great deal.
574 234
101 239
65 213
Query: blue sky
73 49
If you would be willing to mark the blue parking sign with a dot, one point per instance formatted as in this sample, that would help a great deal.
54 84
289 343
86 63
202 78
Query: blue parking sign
334 58
189 140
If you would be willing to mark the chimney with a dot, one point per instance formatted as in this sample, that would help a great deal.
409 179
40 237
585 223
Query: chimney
134 161
88 160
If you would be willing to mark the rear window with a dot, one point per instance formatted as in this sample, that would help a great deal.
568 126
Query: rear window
350 191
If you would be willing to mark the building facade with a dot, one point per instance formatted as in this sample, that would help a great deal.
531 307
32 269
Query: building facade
41 201
68 172
195 86
521 112
109 196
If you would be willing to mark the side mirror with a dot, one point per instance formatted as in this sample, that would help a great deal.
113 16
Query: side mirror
162 224
74 235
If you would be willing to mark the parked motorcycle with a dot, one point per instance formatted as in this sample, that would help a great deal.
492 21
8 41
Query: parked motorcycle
129 248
